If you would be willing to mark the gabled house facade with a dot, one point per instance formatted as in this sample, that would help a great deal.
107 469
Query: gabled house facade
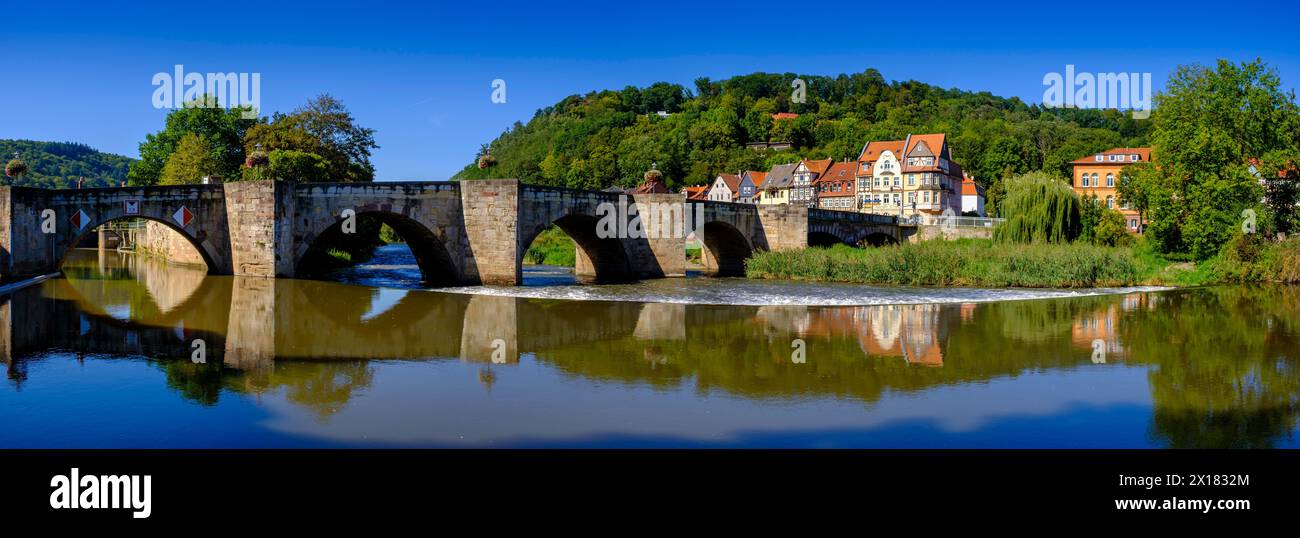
776 185
750 186
880 177
726 188
801 186
836 188
932 181
909 177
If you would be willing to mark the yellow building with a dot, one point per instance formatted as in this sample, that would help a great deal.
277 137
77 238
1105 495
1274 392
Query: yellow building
1098 175
776 185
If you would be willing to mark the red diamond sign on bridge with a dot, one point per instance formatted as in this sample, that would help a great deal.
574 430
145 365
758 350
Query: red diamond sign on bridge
80 219
183 216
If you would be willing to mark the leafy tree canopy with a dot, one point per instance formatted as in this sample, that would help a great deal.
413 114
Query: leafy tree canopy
222 129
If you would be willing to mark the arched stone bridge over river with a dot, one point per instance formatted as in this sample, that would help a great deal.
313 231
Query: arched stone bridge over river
462 233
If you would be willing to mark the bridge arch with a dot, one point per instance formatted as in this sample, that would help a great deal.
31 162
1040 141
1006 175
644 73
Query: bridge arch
725 248
878 239
200 246
606 260
437 268
817 238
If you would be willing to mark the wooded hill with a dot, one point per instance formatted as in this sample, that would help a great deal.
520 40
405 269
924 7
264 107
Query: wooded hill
59 164
611 137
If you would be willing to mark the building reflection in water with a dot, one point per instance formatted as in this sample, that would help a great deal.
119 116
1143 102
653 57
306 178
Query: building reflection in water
1226 355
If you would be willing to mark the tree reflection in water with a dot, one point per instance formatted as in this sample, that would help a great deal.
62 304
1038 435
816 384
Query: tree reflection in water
1221 362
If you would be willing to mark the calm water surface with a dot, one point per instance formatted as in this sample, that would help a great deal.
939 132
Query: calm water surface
103 358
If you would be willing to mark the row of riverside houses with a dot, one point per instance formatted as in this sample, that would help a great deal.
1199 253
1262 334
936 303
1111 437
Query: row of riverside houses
906 177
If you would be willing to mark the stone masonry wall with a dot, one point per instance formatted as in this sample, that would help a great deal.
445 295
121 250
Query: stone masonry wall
160 241
260 216
491 211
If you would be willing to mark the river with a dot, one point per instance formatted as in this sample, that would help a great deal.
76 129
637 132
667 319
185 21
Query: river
125 351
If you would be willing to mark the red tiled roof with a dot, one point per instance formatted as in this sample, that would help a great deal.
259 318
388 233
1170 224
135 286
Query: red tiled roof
756 177
933 141
873 150
696 193
784 116
969 187
841 171
1144 154
732 181
818 167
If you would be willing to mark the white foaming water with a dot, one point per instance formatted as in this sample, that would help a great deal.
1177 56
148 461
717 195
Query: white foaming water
542 282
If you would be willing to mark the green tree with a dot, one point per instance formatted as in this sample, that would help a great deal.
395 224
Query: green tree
300 166
324 127
1208 125
1039 208
192 160
222 129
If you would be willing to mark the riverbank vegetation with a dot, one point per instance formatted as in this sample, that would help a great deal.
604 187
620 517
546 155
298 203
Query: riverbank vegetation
966 262
988 263
552 247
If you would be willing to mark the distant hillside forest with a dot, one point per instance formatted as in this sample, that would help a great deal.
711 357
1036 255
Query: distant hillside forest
612 137
57 165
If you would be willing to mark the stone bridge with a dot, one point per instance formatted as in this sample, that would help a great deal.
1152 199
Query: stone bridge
461 233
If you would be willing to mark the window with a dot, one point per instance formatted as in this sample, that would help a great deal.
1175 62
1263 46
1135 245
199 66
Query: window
1096 181
1133 223
1110 202
1110 180
1098 157
1084 181
1134 157
911 179
898 181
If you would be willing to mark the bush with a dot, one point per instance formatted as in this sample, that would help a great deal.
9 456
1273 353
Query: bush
1112 230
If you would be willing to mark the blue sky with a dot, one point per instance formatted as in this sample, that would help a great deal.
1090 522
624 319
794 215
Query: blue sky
421 73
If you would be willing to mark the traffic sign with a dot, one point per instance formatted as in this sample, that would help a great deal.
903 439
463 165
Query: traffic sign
132 207
183 216
80 219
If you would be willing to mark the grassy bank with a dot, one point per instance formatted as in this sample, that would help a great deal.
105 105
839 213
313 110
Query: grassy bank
983 263
552 247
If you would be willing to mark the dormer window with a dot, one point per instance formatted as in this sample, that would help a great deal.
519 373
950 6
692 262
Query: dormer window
1133 157
1098 157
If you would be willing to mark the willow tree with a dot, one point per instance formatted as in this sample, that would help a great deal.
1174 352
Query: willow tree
1039 208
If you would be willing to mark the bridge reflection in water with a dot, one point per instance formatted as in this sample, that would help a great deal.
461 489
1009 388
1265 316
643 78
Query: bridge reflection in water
1220 363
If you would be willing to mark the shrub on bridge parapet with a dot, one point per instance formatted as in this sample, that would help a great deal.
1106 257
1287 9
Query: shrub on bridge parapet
16 168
